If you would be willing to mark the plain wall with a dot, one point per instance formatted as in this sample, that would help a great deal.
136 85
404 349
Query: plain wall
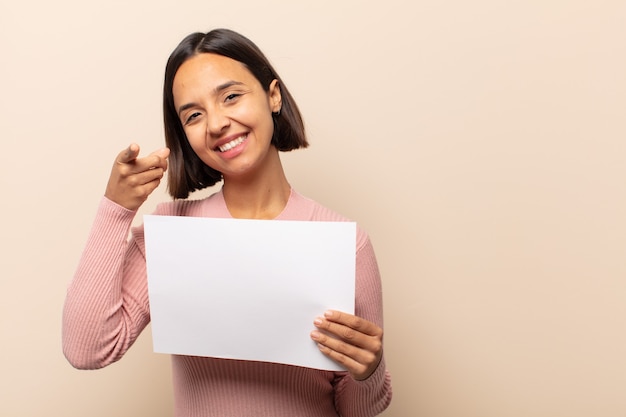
481 144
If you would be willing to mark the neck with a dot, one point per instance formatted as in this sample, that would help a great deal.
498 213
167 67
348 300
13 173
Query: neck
259 195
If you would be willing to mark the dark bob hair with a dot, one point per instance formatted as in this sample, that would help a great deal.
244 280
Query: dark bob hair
187 172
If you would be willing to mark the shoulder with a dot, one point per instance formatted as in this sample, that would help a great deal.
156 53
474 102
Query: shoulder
191 208
318 212
300 207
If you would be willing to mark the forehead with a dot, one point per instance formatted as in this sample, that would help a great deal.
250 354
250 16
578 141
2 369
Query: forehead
208 70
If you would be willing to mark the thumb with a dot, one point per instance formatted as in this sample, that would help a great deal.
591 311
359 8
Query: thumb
162 153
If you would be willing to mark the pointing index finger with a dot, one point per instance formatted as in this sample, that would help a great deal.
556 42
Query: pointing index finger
129 154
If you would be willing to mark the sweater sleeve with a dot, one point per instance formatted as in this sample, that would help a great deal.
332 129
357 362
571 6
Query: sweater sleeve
106 305
372 396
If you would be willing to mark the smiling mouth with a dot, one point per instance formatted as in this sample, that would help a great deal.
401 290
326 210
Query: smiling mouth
230 145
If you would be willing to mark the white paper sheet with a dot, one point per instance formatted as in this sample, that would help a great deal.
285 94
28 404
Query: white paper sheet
246 289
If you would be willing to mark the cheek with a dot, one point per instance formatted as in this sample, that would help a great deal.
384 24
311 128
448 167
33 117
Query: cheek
255 114
263 124
195 136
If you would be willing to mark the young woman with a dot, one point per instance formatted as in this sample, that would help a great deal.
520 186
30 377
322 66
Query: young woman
227 116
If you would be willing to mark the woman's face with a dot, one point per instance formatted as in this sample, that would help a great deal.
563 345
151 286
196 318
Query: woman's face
225 112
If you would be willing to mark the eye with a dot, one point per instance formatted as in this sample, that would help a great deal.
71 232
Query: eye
232 97
192 117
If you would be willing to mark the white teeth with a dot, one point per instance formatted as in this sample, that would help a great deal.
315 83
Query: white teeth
232 144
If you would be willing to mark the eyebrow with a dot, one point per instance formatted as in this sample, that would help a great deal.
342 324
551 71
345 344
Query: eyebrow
216 90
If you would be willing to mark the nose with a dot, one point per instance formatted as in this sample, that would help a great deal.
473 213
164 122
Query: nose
217 122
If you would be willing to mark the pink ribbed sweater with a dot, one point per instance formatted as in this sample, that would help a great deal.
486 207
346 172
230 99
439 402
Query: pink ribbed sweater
107 307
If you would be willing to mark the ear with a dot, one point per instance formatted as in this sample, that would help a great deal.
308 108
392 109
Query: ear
274 96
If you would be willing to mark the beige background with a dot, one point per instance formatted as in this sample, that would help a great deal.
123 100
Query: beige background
480 143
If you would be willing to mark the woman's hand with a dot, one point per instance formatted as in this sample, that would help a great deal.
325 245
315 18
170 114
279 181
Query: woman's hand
133 179
353 342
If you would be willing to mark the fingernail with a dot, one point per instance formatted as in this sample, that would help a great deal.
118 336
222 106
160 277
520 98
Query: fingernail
315 335
328 313
318 321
